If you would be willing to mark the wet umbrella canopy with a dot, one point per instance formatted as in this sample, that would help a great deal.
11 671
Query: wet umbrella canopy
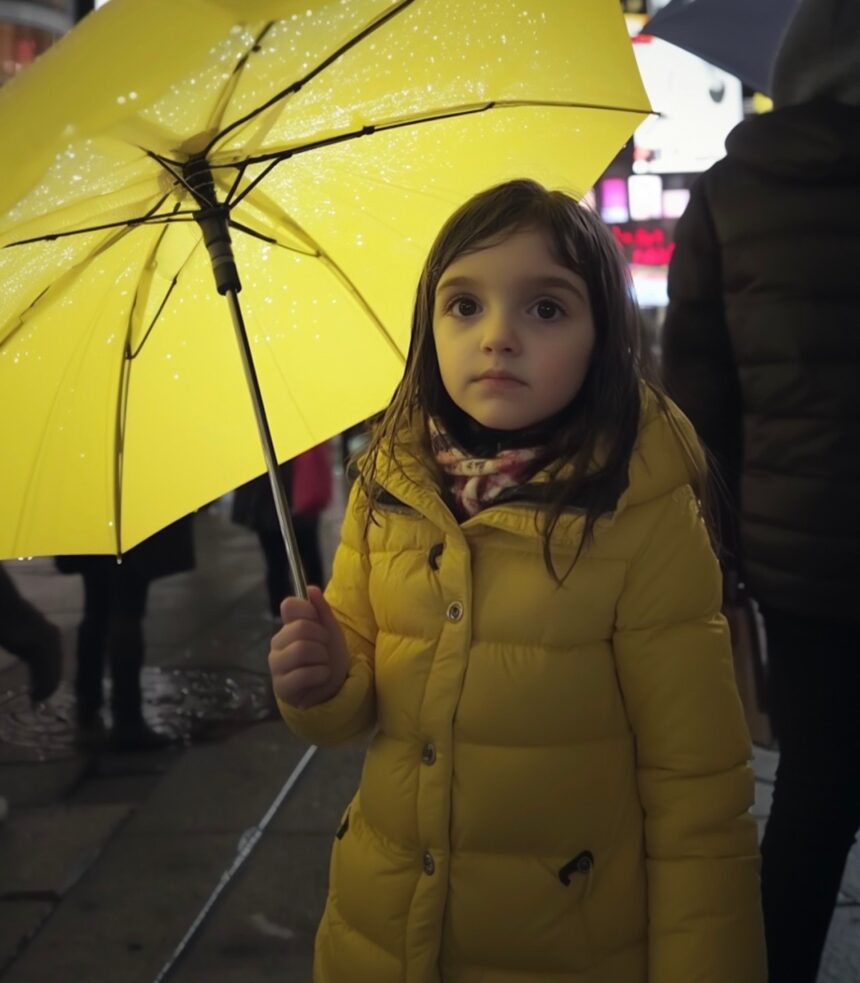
329 139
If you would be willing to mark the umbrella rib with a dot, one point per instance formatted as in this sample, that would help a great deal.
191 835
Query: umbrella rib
240 173
131 223
253 184
133 353
300 83
341 275
169 165
122 402
121 413
268 238
69 274
150 218
469 110
217 115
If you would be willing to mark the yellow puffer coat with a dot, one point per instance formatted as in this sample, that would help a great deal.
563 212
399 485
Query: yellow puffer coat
557 788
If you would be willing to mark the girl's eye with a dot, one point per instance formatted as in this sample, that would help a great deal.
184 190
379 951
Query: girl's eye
463 307
547 310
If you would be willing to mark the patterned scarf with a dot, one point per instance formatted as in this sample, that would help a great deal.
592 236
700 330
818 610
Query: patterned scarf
475 482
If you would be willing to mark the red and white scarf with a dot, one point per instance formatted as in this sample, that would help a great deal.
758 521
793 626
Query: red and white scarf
475 482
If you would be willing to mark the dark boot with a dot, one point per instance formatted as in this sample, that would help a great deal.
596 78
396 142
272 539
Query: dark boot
45 663
88 681
130 731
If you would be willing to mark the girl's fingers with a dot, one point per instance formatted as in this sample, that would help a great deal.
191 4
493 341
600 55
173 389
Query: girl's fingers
298 656
299 631
296 687
297 609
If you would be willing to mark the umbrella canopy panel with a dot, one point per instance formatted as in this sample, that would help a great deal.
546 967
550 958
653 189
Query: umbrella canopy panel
340 136
740 37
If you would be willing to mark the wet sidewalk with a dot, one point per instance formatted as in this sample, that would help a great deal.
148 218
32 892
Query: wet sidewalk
109 861
205 862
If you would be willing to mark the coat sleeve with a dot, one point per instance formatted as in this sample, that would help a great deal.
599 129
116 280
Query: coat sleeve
698 361
692 750
353 710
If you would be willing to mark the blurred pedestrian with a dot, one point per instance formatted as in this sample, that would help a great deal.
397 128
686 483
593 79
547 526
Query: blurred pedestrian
762 350
26 633
308 483
524 609
111 630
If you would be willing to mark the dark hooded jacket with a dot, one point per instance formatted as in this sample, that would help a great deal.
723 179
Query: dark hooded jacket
761 343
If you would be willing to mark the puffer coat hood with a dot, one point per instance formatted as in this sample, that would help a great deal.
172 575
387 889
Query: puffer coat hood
819 57
557 785
806 145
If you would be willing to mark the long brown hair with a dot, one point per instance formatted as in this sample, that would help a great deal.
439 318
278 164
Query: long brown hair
604 412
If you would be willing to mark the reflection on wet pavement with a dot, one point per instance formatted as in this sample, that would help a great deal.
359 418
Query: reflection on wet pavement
190 704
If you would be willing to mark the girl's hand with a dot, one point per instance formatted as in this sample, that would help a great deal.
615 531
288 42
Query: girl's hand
308 658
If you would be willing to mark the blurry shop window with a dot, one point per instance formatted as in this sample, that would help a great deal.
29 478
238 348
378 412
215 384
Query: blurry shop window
19 45
613 200
698 105
641 213
27 28
675 201
645 196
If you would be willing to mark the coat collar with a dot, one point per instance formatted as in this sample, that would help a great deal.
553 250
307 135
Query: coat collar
666 456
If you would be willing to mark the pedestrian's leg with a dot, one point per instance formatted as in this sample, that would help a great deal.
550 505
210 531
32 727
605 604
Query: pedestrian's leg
92 643
126 649
27 633
277 579
307 537
815 683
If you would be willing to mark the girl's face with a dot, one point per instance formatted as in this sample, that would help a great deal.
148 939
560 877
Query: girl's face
514 332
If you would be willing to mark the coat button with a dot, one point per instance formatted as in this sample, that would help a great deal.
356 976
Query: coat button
428 754
429 864
454 612
584 862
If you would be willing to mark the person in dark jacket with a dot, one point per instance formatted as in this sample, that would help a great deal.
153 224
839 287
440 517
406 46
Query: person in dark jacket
115 596
308 485
762 350
27 634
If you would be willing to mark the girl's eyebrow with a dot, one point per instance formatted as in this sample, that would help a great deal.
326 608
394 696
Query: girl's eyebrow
456 281
556 282
538 282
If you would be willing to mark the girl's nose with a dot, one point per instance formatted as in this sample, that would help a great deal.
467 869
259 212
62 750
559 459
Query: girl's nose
499 334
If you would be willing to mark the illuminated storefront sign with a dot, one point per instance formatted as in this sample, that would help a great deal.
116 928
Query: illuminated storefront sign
645 245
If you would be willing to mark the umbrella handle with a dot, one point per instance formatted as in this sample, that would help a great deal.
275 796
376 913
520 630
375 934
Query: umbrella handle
278 493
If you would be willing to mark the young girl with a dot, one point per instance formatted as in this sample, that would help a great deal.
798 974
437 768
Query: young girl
525 606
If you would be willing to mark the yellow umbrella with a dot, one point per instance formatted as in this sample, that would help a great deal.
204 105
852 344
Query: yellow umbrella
329 139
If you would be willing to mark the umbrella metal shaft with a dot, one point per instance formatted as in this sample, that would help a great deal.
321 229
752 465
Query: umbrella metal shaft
213 219
281 507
